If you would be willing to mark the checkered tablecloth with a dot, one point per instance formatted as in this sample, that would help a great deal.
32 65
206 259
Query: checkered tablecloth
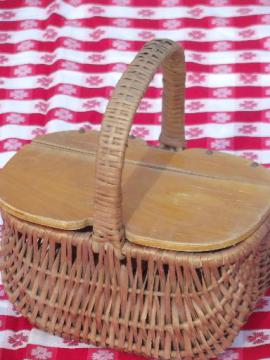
60 60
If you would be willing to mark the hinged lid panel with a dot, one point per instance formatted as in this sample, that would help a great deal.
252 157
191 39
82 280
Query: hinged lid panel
190 200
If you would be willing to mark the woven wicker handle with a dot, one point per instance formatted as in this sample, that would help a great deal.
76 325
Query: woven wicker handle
107 223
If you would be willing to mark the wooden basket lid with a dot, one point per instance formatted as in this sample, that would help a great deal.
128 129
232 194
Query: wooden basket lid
191 200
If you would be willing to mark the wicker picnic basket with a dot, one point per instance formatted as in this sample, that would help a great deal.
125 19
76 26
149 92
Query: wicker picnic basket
165 256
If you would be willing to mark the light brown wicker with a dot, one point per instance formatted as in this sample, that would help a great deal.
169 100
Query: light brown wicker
101 288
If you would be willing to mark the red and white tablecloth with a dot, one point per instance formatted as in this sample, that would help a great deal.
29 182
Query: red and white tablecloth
59 61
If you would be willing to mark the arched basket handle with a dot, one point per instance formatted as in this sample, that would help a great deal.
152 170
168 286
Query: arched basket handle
108 226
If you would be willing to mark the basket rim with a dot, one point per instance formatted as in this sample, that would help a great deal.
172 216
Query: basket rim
215 258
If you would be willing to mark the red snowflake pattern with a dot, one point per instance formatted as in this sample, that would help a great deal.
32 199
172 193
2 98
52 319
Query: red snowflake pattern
267 143
18 339
38 132
146 35
26 45
220 21
52 8
248 105
247 129
72 44
169 2
140 132
244 11
29 24
42 106
194 132
219 2
196 12
94 80
222 46
48 58
67 89
146 12
171 24
63 114
18 94
103 355
119 67
258 337
73 23
45 81
144 105
97 34
121 2
267 116
96 58
50 34
197 57
229 355
4 37
70 65
96 10
196 34
120 45
74 2
15 118
41 353
22 70
220 144
14 310
196 78
262 303
266 44
122 22
250 155
248 55
246 33
195 105
222 93
33 2
91 104
265 19
248 78
73 342
222 69
3 59
7 15
84 127
2 292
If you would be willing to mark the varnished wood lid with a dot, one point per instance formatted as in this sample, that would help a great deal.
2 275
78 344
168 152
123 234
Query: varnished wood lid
185 201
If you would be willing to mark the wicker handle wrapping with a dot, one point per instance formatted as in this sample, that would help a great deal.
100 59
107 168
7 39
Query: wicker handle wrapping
107 223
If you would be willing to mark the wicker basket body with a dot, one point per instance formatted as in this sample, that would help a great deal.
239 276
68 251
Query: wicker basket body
156 303
95 286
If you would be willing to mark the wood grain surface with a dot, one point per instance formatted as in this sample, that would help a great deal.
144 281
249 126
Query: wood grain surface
188 200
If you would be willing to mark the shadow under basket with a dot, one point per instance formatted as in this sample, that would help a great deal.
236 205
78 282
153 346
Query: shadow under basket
155 252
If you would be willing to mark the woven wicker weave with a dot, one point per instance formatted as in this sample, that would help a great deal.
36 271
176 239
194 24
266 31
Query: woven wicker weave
100 288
